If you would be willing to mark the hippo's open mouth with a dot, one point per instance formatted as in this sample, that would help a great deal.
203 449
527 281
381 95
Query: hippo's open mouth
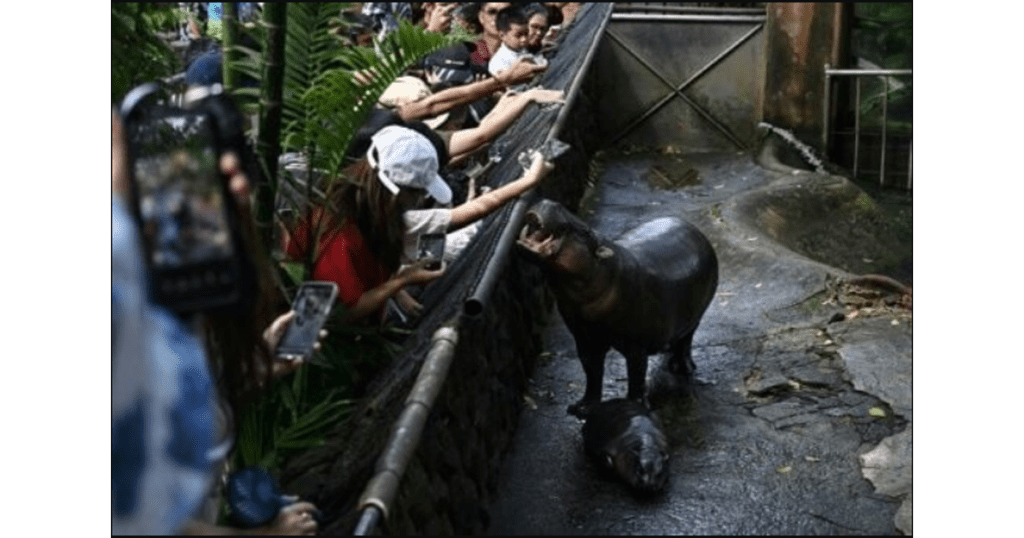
536 238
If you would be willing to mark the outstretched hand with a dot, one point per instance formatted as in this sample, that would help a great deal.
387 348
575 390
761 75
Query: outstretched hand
521 71
544 96
539 167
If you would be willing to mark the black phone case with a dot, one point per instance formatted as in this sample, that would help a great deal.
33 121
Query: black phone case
312 305
209 285
431 246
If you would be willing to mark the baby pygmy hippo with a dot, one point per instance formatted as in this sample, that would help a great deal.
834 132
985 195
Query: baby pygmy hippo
623 436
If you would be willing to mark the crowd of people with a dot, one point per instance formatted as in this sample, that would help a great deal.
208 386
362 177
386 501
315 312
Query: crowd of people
182 382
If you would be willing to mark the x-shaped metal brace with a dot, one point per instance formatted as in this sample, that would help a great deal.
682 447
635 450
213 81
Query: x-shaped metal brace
678 90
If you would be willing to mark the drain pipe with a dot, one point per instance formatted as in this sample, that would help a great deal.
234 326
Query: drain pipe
474 305
380 492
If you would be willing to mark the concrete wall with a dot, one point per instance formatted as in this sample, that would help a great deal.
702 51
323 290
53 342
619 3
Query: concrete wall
800 39
679 49
776 75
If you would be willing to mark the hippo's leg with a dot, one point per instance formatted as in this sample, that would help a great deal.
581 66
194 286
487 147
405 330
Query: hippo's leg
636 367
680 361
592 356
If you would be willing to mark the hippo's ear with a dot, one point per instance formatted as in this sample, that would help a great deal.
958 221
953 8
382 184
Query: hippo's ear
604 252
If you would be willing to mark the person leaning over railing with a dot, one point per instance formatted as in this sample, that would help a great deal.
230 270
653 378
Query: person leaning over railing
448 99
514 28
462 142
365 240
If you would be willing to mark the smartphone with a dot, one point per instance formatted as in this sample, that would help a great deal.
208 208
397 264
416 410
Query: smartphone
312 305
192 245
431 247
551 149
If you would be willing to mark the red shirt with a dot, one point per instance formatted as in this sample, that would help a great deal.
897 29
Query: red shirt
482 55
344 258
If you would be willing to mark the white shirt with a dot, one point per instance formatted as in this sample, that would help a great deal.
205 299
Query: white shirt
432 221
505 57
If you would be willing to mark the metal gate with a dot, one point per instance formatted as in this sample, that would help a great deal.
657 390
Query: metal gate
681 76
863 150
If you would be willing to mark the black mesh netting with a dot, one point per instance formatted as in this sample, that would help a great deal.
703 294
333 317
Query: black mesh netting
349 454
443 299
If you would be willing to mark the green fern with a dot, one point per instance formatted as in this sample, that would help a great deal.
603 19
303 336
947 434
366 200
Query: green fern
137 54
343 104
322 107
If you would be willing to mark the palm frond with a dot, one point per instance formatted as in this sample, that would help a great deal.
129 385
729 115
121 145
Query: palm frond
341 103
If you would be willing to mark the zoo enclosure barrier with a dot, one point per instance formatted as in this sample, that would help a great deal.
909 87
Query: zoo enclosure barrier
831 132
476 272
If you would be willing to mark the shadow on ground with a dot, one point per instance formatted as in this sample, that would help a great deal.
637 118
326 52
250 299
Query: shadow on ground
800 421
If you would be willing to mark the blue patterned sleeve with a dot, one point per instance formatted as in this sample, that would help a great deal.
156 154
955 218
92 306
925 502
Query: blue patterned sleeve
162 422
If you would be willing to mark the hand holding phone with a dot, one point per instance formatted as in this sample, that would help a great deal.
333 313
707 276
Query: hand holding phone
312 305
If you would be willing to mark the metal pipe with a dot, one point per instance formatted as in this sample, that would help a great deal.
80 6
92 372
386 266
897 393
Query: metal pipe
885 120
856 130
477 300
869 72
825 113
687 9
405 435
658 17
368 521
678 90
910 166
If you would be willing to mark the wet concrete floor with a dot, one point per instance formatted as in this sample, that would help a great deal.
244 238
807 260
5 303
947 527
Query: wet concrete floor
800 420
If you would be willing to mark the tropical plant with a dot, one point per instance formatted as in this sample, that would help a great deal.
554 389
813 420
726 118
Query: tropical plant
321 107
322 103
137 54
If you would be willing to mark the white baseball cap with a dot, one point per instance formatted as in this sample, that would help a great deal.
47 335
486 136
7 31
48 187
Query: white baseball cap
405 158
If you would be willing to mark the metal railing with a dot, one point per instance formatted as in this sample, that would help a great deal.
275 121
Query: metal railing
678 8
828 134
381 491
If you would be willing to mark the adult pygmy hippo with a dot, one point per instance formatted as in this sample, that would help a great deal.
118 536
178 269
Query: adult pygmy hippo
642 294
625 437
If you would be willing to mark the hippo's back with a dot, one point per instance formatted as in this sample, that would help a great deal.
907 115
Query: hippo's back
674 250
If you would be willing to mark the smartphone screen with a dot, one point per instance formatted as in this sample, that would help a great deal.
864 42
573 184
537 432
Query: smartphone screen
313 303
190 229
431 247
180 191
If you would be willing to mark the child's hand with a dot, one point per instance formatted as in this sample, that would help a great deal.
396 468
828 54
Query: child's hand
521 71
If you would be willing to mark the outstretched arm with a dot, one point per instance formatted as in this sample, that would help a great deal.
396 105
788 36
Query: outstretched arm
484 204
508 109
373 300
446 100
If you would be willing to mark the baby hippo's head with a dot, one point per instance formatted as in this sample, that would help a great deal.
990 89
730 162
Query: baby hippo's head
644 464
